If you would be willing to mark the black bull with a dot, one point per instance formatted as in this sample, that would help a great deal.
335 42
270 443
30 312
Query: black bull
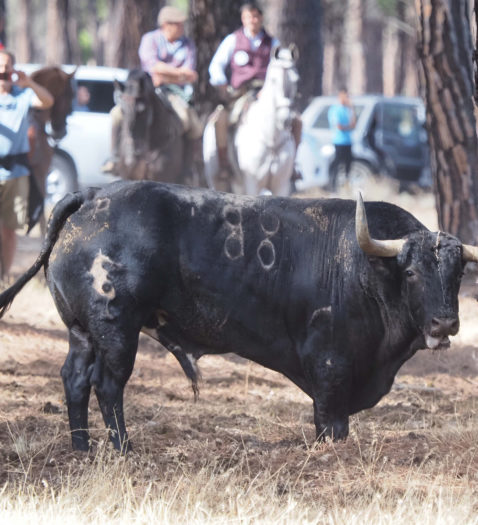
287 283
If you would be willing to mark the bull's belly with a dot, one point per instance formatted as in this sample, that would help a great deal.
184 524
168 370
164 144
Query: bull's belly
212 333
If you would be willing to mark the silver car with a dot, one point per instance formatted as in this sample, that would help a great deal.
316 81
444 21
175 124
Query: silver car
389 138
79 156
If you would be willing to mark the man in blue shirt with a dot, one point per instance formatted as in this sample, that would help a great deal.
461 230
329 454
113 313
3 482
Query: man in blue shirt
18 92
342 121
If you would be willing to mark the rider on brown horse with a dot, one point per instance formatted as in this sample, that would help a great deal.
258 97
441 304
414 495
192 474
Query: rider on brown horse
170 58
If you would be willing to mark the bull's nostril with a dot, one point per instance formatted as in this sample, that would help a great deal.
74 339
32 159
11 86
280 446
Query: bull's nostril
441 326
454 327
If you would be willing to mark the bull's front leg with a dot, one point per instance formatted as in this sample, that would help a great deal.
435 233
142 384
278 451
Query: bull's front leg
328 375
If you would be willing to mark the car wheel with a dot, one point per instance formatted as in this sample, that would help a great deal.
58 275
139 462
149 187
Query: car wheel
61 179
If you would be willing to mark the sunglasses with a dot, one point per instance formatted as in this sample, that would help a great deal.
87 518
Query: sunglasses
5 75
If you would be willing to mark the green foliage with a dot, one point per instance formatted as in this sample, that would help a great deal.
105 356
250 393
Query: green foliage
389 7
102 9
85 42
182 4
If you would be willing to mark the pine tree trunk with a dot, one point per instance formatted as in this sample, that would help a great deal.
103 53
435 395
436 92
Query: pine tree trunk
335 69
299 23
210 21
445 50
2 22
23 39
129 20
354 46
58 45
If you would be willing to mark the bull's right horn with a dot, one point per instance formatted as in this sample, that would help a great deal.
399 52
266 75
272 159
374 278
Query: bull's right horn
470 253
375 247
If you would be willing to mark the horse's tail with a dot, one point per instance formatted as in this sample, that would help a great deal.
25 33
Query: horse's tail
66 207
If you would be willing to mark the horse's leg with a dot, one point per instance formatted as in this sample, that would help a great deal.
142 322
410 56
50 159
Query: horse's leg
280 184
210 158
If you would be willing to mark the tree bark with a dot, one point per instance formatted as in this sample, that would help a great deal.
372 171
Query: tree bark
445 51
128 21
24 48
2 23
354 46
58 44
210 21
299 23
333 30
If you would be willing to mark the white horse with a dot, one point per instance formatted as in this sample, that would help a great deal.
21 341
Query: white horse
262 151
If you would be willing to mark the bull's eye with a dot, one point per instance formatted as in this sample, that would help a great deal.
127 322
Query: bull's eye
409 273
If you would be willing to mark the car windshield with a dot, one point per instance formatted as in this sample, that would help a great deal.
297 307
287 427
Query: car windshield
322 119
402 120
99 96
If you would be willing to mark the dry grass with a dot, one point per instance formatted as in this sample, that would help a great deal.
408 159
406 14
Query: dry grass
357 482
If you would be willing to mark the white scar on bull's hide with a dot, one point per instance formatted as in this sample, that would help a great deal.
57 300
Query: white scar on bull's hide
101 284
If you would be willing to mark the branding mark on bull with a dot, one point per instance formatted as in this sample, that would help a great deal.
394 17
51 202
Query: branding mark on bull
266 254
234 243
101 281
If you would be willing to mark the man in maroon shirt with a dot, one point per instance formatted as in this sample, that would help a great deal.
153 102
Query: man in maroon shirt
245 55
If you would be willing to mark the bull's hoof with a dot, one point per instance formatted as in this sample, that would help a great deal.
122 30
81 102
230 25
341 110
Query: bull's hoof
337 431
80 443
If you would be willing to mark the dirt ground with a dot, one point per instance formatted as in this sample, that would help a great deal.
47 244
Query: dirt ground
243 408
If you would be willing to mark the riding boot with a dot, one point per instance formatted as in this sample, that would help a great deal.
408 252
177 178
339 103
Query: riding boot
111 164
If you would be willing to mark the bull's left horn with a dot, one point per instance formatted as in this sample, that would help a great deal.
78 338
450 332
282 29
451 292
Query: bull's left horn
375 247
470 253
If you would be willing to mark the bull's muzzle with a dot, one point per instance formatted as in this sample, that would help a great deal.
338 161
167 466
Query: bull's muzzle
440 329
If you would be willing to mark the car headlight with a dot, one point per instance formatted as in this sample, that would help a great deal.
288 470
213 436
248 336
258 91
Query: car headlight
328 150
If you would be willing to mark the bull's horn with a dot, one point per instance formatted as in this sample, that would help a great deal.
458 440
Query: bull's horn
378 248
470 253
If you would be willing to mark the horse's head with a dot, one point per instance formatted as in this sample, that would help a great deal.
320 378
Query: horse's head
59 85
136 100
282 79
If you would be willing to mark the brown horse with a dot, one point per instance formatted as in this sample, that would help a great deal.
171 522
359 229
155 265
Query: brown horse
59 85
152 145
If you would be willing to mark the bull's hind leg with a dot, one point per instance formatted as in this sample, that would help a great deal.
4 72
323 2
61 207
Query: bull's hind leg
113 368
76 373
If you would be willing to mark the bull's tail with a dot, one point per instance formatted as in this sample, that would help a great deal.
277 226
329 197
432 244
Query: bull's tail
66 207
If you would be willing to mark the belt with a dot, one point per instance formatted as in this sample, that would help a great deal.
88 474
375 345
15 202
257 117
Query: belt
8 161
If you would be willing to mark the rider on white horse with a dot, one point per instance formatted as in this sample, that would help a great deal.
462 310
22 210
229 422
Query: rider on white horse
245 54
